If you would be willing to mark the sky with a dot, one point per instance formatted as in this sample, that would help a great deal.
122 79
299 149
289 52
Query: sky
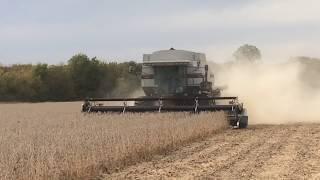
43 31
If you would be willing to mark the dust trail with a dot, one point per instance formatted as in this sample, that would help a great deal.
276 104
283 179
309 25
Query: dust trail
272 93
135 94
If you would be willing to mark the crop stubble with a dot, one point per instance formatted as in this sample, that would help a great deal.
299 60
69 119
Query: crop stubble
289 151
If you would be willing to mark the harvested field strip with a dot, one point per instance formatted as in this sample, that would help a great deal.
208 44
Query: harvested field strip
56 141
259 152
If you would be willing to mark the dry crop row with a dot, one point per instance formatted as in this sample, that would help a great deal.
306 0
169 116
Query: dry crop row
56 141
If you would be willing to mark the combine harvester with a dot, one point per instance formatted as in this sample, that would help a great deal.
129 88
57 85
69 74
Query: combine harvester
175 81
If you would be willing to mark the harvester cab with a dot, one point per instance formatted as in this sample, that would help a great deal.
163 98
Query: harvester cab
175 80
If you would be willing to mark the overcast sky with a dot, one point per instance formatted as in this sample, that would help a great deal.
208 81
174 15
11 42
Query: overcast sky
52 31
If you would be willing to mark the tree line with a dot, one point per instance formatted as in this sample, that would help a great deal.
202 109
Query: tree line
81 77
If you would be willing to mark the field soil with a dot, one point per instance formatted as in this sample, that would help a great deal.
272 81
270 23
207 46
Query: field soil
259 152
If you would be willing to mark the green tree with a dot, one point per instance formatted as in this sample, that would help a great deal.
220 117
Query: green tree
86 75
59 84
16 83
81 77
39 75
247 53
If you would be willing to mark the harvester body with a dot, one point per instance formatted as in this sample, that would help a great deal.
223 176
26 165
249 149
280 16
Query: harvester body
176 73
175 80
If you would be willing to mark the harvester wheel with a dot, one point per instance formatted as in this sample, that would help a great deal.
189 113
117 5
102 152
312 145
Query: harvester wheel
243 122
243 119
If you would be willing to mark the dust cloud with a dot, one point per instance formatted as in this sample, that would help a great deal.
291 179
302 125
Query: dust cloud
135 94
272 93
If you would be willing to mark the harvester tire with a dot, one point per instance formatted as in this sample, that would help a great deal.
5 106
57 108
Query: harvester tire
243 122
